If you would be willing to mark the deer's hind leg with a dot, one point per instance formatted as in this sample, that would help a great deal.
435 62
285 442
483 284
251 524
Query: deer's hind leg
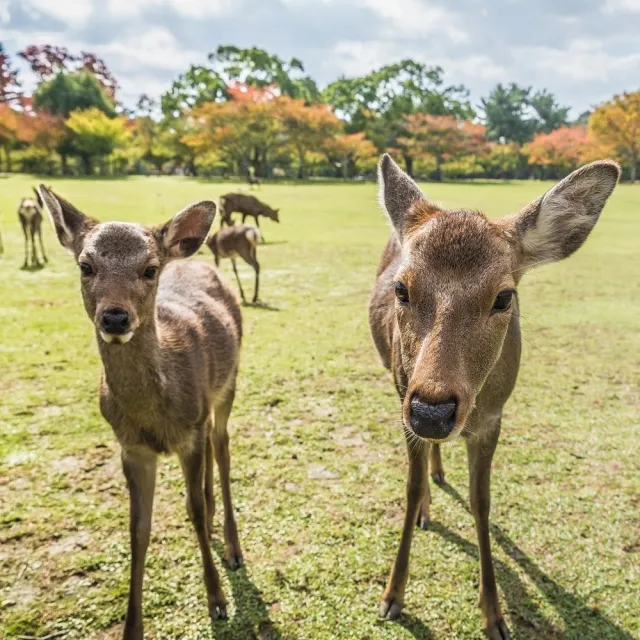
233 551
44 255
209 496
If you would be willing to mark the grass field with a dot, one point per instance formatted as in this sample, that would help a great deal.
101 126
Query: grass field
318 458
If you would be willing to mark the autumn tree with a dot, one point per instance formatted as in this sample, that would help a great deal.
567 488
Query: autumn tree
306 126
559 151
443 138
95 135
346 151
10 91
616 124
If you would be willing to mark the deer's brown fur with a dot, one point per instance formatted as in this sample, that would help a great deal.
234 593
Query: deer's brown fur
447 345
248 206
169 374
31 221
237 240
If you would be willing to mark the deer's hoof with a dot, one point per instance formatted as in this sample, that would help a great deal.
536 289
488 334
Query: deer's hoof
390 609
234 561
218 610
438 477
498 631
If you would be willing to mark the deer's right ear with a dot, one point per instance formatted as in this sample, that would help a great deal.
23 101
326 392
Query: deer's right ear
397 192
70 224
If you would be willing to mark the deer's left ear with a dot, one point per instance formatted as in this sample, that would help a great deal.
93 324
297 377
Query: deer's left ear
183 235
556 225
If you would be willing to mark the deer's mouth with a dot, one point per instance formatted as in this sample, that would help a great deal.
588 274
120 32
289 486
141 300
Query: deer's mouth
116 338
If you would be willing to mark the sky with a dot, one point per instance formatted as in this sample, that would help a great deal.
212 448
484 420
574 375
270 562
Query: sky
584 51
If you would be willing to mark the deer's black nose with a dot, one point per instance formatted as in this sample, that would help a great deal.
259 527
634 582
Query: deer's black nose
115 320
434 421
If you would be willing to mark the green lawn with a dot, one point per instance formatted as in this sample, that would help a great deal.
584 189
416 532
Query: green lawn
318 456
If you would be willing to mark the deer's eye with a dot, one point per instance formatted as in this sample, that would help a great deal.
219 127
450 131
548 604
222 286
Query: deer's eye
402 293
503 300
86 269
150 272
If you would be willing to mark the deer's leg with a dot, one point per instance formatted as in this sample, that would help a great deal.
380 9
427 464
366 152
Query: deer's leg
393 598
435 462
26 243
34 252
44 255
480 455
209 497
233 552
235 270
251 260
193 467
140 473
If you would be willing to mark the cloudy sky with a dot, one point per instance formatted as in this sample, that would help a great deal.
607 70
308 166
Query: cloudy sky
582 50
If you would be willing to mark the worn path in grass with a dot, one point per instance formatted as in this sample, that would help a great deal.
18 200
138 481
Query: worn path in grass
318 457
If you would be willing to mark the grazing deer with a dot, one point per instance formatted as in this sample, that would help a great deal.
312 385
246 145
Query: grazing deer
169 339
252 179
31 221
237 240
246 205
444 317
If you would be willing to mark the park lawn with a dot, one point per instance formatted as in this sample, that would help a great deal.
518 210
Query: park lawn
318 455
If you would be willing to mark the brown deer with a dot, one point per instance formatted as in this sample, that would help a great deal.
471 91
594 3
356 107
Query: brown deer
169 339
31 220
247 206
445 319
237 240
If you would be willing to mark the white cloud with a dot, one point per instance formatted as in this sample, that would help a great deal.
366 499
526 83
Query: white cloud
5 16
74 13
190 8
583 60
621 6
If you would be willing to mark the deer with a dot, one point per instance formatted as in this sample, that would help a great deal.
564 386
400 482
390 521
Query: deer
30 218
253 180
444 317
246 205
237 240
168 333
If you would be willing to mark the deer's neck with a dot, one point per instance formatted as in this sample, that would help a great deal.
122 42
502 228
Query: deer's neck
133 371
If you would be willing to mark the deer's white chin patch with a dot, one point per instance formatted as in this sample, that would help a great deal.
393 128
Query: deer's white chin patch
113 338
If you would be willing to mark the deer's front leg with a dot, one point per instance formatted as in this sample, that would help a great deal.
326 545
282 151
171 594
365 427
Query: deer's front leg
480 455
417 488
193 467
140 472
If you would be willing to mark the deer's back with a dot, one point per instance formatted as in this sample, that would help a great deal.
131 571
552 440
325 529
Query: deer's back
242 203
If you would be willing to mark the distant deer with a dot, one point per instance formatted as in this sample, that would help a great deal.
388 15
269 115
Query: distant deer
246 205
253 180
31 220
444 316
237 240
169 339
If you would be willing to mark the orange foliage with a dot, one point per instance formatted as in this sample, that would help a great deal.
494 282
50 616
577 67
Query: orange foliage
563 147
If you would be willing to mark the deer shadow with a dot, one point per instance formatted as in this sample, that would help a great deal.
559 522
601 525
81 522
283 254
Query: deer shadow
32 267
251 619
263 306
581 620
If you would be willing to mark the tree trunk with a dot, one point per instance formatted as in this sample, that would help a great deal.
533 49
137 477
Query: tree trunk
7 151
634 165
437 176
64 162
87 166
345 167
300 164
408 163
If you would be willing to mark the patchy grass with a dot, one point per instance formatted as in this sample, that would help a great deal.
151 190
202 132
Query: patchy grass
318 459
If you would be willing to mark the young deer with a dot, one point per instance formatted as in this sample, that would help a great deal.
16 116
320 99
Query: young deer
169 339
444 318
31 220
237 240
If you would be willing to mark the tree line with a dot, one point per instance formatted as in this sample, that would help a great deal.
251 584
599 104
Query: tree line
248 111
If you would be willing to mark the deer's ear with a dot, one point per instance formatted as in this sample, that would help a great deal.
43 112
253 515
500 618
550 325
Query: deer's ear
557 224
397 192
183 235
70 224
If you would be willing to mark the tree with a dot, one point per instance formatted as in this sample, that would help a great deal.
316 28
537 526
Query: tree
9 85
549 114
345 151
306 126
46 60
256 67
504 160
443 138
558 152
616 124
95 135
379 101
194 88
506 114
13 131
